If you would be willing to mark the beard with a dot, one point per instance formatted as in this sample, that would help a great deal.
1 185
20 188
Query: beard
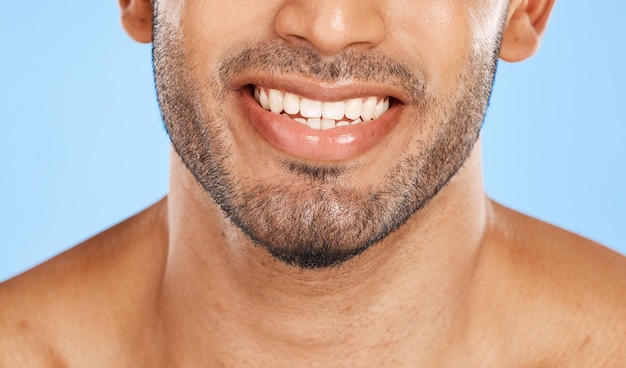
318 218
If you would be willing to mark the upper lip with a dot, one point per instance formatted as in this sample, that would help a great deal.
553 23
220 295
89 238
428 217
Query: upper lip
321 90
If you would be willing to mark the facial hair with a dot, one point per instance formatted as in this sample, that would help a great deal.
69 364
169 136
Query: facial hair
314 221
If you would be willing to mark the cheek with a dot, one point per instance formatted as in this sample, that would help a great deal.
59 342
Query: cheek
441 35
487 21
211 29
215 26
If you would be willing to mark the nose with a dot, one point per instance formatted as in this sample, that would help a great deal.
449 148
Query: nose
331 25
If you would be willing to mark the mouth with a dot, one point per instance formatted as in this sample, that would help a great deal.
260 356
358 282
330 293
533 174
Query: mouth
321 115
320 124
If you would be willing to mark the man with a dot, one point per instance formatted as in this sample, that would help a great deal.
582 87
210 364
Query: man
326 206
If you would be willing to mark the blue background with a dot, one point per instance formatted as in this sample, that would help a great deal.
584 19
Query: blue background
82 145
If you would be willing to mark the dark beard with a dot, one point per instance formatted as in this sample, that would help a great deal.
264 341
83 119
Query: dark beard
315 221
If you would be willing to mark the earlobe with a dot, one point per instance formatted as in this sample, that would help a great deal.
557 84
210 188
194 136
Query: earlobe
137 19
525 26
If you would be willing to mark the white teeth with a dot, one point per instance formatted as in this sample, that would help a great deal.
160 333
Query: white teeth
257 94
310 108
276 101
368 109
327 124
353 108
314 123
334 110
380 108
263 100
318 114
292 103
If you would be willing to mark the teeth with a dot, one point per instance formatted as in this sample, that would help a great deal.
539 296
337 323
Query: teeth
318 114
276 101
334 110
354 108
380 109
257 94
310 108
327 124
292 103
264 100
314 123
368 109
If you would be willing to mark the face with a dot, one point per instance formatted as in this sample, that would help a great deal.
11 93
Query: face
321 127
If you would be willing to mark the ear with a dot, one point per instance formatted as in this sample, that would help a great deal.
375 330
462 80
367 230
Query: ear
137 19
526 23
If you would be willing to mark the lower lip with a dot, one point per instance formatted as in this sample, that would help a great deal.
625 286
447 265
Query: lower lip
337 144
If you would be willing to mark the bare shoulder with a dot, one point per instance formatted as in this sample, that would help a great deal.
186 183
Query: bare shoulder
81 292
567 292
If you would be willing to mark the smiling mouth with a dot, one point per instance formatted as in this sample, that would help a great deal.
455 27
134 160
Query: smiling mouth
321 115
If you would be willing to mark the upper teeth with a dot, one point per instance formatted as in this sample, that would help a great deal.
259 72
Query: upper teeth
319 114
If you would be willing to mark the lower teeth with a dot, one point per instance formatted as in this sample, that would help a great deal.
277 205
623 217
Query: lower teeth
322 124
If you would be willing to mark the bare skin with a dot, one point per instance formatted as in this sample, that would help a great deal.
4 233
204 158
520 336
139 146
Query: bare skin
464 282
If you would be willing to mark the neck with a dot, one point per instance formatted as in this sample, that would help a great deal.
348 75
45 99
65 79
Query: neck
407 294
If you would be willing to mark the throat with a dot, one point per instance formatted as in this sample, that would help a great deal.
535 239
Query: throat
365 310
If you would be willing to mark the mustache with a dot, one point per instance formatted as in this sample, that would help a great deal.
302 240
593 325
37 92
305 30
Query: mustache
277 57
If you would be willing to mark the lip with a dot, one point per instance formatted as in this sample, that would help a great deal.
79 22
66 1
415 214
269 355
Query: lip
338 144
321 90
